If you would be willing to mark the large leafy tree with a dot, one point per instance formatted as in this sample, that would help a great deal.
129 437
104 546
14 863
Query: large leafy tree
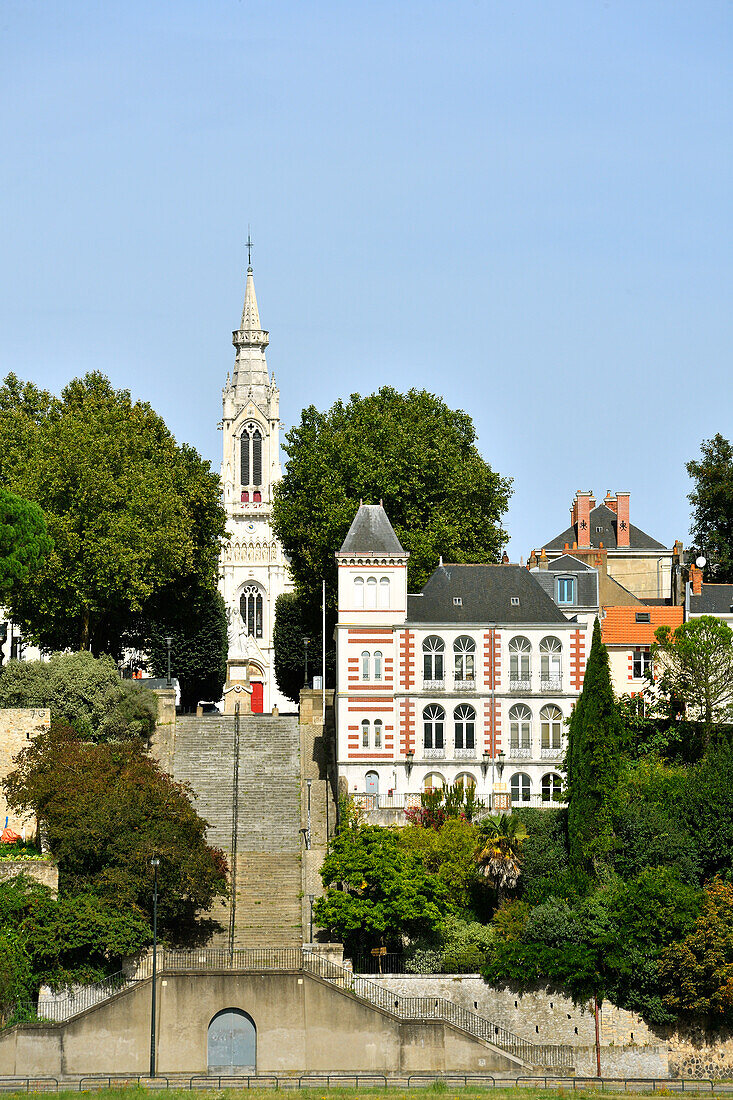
593 761
377 889
697 973
410 451
696 667
129 511
84 691
194 618
24 541
712 507
105 810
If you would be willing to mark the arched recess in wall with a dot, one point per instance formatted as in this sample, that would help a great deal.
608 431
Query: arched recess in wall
232 1042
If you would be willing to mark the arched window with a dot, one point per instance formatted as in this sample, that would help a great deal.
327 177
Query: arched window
519 667
384 592
464 722
433 782
371 592
433 724
365 664
250 607
365 734
377 664
464 782
551 788
520 731
378 733
250 444
464 650
551 730
256 457
520 787
358 591
551 664
432 658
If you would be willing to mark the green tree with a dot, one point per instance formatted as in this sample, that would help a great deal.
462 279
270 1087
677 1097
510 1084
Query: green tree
24 541
195 619
448 853
707 809
697 973
696 666
84 691
288 641
377 890
649 821
105 810
130 512
499 850
409 450
712 507
593 761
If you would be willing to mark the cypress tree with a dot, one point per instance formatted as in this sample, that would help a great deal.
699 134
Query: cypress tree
593 761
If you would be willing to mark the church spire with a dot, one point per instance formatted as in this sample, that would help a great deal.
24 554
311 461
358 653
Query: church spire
250 313
250 340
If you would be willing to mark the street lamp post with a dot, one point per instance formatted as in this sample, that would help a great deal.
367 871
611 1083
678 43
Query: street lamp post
169 643
311 899
155 864
306 643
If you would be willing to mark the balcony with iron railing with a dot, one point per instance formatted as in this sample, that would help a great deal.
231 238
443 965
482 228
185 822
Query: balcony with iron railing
551 683
520 685
519 752
433 685
552 752
467 683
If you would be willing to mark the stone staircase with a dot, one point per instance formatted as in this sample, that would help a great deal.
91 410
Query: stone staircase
268 879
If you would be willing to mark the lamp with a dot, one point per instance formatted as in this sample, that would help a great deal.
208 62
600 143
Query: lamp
409 761
500 758
169 643
155 864
306 643
485 762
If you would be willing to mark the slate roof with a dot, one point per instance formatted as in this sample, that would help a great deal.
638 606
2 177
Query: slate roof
485 592
604 517
619 625
586 587
371 533
715 599
567 563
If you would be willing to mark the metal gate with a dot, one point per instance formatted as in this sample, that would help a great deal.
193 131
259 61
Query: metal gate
232 1043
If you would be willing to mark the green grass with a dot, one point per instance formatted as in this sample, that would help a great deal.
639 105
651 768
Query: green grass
338 1093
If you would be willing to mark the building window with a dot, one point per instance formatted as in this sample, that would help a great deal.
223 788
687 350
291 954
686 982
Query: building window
643 617
377 664
642 662
378 733
433 782
520 730
551 727
250 607
384 592
464 723
432 658
433 724
551 663
519 652
457 601
256 497
465 782
371 593
515 601
250 443
365 664
464 650
358 592
551 788
365 734
520 788
245 497
566 589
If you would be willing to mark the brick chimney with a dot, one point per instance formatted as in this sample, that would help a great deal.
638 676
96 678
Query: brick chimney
543 559
622 522
610 501
696 580
581 516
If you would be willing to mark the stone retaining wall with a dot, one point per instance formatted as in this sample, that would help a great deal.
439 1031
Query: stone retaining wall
699 1053
41 870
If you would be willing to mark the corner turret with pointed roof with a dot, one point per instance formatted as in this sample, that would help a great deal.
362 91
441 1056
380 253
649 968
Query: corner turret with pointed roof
372 570
250 340
372 533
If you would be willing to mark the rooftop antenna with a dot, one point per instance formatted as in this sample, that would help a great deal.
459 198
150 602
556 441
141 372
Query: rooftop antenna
249 248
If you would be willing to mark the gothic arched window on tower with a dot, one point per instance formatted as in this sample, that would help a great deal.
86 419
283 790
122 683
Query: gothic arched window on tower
251 455
250 607
256 457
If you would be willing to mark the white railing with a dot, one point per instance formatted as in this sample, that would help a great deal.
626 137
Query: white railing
520 685
520 752
551 753
551 683
465 754
434 754
433 685
464 685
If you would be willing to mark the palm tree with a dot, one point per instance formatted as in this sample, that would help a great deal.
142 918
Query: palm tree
499 851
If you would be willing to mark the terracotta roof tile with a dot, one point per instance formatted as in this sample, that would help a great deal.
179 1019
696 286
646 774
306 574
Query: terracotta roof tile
619 627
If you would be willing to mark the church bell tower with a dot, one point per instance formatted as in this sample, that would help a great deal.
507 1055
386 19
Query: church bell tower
254 570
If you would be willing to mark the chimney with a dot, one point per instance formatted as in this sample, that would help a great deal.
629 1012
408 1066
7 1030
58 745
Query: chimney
543 559
622 522
505 558
581 511
532 561
611 501
696 580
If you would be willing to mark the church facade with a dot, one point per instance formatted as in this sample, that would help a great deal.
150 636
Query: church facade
254 570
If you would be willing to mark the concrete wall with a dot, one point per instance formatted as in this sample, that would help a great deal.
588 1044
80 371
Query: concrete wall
302 1025
18 727
41 870
317 764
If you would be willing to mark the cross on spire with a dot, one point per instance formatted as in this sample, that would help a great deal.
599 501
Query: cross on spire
249 248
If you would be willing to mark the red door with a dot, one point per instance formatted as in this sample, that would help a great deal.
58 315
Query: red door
257 688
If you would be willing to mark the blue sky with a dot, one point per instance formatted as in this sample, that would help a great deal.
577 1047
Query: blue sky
524 207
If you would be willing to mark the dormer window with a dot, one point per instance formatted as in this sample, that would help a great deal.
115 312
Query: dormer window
515 601
643 617
566 590
457 601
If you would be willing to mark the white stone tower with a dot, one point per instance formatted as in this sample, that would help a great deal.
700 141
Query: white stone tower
254 570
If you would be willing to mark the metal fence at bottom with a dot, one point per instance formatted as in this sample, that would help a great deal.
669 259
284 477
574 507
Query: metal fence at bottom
29 1084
